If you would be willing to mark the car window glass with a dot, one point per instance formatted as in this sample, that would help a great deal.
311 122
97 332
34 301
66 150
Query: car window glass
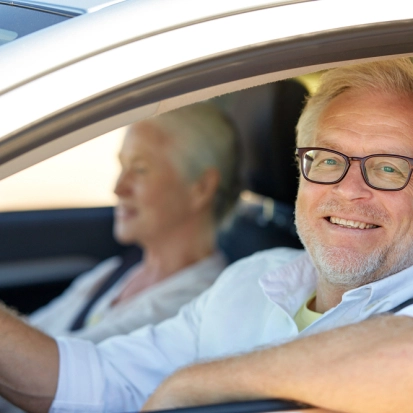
18 21
83 176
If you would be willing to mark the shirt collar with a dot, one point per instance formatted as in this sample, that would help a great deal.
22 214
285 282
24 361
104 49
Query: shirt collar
381 294
291 284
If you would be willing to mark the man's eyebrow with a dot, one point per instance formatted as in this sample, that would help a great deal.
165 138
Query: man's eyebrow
337 146
330 144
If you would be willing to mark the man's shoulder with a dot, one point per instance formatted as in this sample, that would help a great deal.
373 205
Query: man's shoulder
253 266
273 257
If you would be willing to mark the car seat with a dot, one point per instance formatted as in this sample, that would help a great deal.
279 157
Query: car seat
264 217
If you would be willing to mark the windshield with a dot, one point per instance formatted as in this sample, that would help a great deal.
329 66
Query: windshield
17 21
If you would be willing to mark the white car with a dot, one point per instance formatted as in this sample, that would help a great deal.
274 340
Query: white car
75 70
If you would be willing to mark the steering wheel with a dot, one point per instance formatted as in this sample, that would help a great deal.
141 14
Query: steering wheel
253 406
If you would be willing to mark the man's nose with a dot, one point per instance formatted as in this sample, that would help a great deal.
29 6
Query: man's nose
353 185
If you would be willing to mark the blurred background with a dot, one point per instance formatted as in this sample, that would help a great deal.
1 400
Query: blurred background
80 177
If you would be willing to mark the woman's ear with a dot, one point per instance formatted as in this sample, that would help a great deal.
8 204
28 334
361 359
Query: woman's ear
205 188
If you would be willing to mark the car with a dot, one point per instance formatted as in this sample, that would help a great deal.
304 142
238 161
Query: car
88 68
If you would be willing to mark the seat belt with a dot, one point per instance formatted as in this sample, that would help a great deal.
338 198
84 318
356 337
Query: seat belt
129 258
401 306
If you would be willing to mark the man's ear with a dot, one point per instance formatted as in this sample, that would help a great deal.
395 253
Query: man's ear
204 189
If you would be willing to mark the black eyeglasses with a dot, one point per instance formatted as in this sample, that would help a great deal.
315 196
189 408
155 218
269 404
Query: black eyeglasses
383 172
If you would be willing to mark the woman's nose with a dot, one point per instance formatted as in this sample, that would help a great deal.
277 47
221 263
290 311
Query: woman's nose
122 187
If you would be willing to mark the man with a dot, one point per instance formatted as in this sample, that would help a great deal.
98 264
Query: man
356 235
353 214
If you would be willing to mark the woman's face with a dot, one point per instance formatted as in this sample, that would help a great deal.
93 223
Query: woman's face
153 197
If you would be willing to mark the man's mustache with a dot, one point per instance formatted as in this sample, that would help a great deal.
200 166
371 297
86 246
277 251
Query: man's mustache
370 214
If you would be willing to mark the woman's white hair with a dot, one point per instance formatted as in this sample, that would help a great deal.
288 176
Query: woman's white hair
205 137
389 76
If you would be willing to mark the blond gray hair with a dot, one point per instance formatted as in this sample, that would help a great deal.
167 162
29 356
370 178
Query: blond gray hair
389 76
205 137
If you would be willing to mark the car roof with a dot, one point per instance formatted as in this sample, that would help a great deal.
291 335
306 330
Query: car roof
137 17
138 22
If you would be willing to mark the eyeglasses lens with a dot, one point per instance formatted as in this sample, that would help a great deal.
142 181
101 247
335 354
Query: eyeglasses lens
323 166
387 172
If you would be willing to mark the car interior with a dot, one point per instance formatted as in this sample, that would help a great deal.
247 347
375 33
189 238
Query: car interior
41 252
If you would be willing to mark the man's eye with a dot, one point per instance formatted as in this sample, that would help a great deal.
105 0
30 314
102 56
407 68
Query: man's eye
388 169
324 162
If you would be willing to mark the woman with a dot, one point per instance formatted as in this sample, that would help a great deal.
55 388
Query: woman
179 179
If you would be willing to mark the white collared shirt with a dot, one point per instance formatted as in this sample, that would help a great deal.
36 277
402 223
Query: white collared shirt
252 304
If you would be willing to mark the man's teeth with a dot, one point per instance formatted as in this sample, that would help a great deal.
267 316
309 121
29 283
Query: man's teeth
351 224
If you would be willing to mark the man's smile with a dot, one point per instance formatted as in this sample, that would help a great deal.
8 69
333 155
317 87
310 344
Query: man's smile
348 223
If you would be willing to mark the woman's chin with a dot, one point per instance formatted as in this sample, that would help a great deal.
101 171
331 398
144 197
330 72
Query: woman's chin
123 235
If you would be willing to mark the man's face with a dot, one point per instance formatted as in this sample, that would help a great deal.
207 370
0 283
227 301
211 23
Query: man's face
356 234
153 198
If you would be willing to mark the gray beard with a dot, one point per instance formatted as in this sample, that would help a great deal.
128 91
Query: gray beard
347 268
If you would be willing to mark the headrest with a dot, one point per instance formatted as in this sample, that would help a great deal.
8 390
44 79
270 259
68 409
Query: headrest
266 117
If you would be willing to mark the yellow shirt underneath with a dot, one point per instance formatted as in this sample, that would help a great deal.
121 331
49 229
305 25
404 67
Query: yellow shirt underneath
304 316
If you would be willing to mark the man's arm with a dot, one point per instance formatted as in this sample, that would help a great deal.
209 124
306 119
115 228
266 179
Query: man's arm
29 364
365 367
